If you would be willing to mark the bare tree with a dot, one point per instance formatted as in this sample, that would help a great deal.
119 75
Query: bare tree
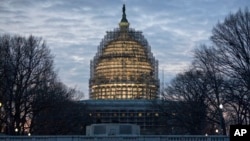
236 97
232 40
220 74
186 106
26 63
205 60
56 114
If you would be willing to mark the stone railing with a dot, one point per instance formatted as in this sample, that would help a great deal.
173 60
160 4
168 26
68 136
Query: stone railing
116 138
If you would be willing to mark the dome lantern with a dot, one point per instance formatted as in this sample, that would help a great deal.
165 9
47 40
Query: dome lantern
124 22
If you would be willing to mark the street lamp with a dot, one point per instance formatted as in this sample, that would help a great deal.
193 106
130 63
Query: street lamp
221 118
16 130
221 106
216 131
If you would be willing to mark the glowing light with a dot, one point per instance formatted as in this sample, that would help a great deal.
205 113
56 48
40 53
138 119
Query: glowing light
221 106
124 68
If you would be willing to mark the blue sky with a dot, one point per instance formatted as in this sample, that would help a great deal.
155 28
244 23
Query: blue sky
74 28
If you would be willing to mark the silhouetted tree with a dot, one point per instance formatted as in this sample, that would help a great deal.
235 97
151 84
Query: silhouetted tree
220 74
206 62
57 113
24 61
60 116
232 42
31 96
186 103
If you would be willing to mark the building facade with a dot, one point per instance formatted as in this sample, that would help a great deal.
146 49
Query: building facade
139 112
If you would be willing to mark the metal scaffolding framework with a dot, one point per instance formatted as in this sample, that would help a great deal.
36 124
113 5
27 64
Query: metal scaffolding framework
124 66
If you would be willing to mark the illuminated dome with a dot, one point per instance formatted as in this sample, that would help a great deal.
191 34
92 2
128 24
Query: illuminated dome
124 67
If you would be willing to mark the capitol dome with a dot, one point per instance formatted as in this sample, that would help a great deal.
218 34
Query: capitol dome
124 67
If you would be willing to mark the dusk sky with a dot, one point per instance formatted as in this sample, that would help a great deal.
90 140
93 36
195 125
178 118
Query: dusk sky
74 28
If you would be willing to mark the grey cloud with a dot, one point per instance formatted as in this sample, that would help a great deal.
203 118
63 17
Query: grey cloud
74 29
21 3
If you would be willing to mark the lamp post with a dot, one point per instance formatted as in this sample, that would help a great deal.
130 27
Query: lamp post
221 118
16 131
216 131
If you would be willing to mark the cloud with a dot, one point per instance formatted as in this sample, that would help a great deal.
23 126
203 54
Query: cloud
74 29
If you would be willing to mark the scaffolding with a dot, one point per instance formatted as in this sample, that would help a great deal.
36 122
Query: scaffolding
124 67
